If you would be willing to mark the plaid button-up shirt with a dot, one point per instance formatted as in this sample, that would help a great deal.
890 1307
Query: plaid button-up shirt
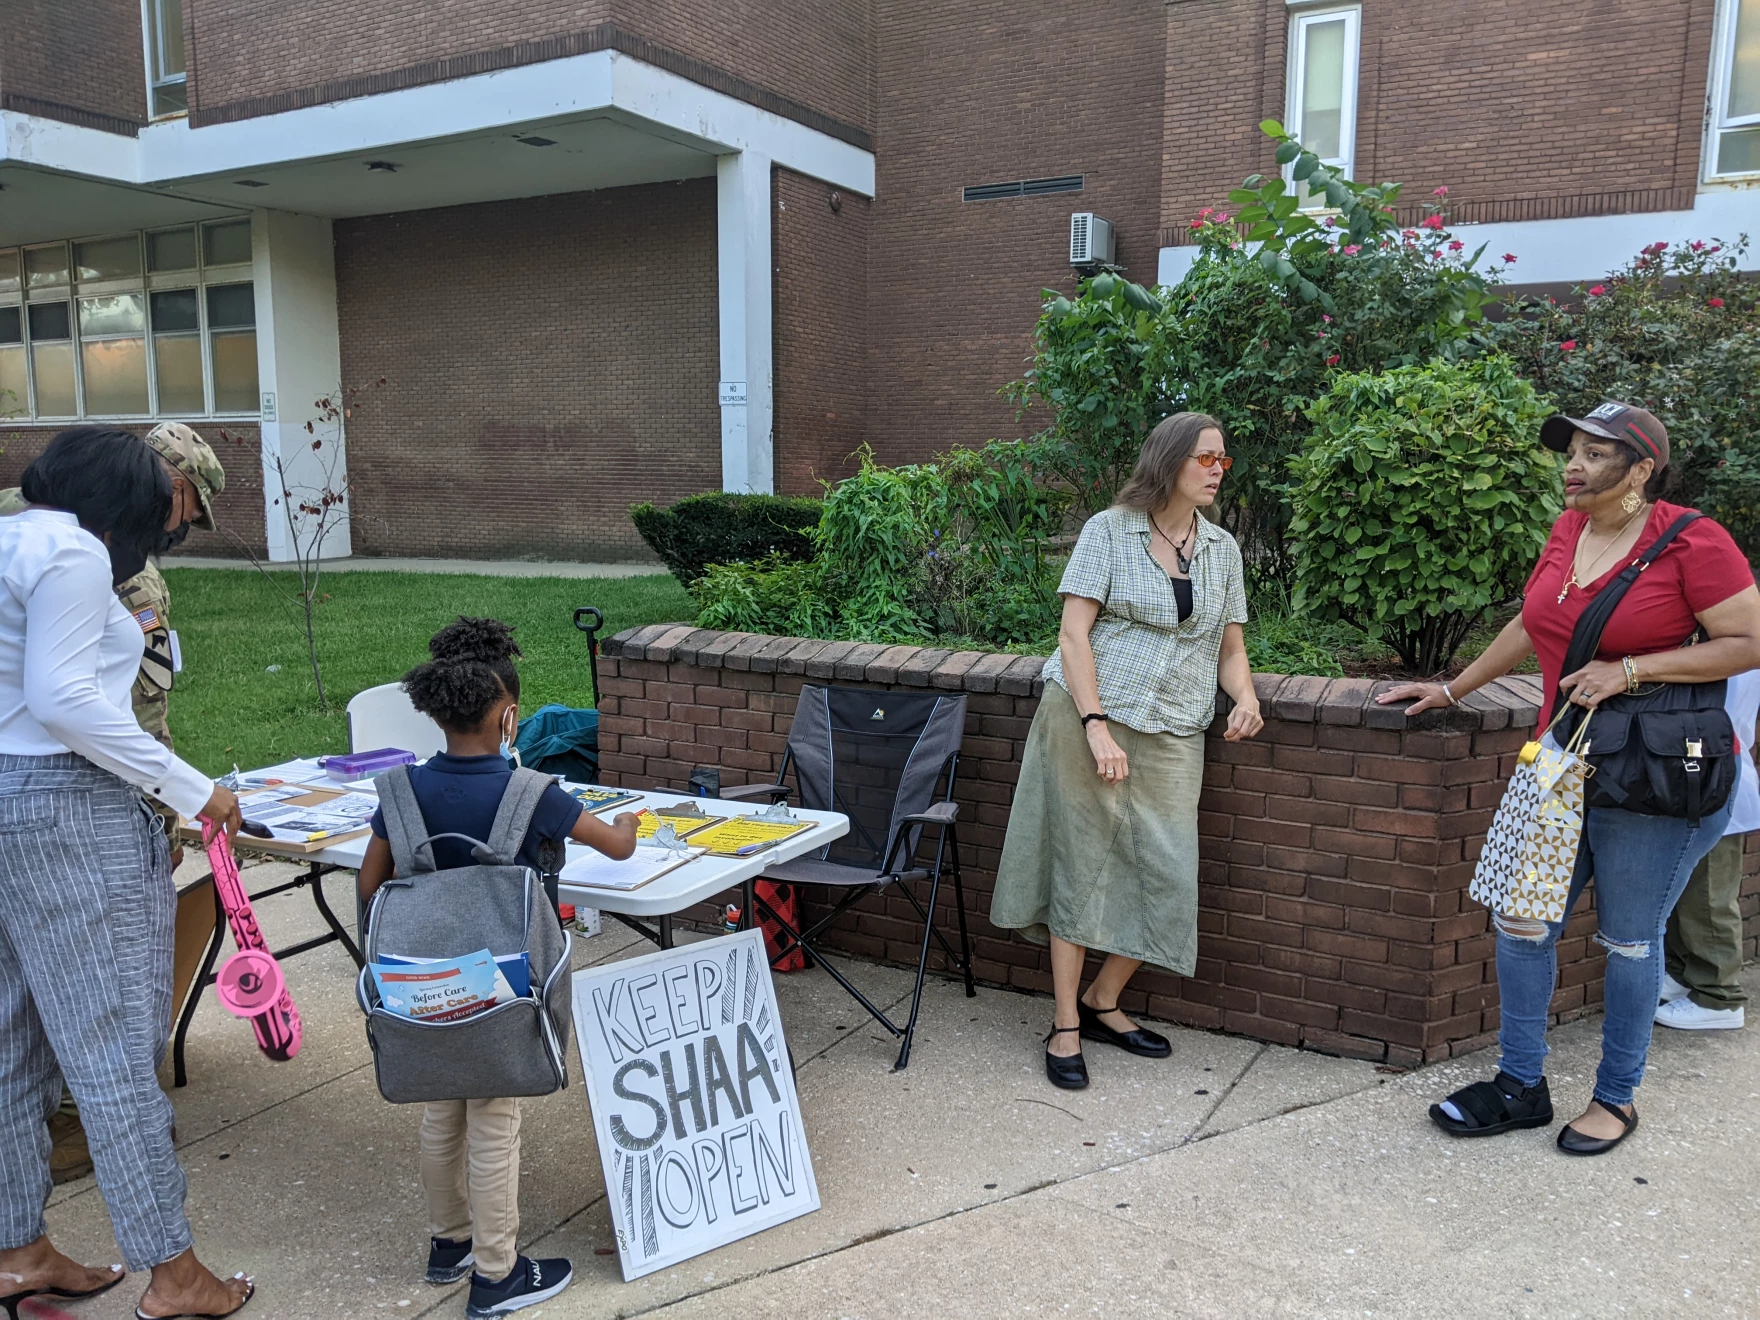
1156 674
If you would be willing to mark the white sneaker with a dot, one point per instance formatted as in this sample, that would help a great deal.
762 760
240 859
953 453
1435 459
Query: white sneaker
1685 1015
1672 990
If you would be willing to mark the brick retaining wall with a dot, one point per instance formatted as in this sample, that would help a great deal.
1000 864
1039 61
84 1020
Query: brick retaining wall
1336 847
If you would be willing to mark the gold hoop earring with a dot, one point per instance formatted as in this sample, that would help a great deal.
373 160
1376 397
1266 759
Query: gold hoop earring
1632 502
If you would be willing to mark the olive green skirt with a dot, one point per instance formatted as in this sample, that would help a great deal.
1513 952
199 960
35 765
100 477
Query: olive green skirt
1113 868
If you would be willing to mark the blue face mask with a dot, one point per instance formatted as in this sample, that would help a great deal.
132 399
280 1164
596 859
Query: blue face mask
508 751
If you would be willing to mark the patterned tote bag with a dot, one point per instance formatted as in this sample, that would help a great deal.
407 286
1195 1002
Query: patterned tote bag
1525 868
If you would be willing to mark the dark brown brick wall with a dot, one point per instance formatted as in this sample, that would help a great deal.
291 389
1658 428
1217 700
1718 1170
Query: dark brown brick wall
238 510
796 57
548 361
1337 847
78 61
981 93
821 323
1480 95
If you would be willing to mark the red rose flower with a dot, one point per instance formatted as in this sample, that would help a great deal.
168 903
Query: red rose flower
1431 222
1567 346
1510 258
1714 302
1332 361
1598 290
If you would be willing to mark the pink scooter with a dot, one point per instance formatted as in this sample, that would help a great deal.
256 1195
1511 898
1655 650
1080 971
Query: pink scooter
250 984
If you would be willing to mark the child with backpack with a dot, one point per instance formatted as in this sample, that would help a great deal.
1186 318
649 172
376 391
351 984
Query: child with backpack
470 1148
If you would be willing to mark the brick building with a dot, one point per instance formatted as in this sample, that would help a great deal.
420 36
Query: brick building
619 249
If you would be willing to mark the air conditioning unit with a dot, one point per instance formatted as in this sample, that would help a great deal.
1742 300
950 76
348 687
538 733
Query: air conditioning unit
1090 241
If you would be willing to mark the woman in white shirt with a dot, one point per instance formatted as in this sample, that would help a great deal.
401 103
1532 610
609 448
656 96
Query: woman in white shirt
86 898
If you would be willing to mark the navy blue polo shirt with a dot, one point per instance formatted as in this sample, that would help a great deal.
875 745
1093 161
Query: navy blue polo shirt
461 794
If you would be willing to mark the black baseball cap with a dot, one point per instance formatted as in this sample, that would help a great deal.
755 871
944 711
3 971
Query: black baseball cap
1625 422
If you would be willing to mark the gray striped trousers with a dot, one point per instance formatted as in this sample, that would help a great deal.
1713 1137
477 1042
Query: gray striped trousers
86 917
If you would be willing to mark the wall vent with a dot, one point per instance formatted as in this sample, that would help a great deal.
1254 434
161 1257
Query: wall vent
989 192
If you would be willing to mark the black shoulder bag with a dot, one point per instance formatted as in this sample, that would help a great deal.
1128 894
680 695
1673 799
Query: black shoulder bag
1667 749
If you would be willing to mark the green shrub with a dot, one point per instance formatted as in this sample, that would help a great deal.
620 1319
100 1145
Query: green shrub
775 595
724 528
1677 331
1251 337
957 548
1421 499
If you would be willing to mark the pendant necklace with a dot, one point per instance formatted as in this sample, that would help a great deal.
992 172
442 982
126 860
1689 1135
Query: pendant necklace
1572 580
1185 564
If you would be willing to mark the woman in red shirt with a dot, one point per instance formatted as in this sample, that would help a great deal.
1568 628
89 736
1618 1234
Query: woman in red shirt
1614 476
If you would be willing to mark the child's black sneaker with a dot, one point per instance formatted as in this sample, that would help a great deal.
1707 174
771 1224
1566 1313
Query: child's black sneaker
449 1261
530 1282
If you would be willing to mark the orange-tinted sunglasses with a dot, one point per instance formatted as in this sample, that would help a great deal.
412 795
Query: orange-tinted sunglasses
1211 460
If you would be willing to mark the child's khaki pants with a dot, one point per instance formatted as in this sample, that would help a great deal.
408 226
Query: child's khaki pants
470 1171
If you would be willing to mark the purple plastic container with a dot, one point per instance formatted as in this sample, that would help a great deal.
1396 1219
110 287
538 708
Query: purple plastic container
362 765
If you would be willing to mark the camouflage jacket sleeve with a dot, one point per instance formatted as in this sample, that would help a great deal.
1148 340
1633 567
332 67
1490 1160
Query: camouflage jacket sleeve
148 599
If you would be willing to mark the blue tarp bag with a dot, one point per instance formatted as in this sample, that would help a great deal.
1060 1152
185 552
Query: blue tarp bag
560 740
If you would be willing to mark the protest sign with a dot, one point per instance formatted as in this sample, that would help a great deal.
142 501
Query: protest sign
693 1099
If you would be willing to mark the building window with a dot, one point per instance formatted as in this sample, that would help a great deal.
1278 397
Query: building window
166 76
1734 147
1322 109
141 325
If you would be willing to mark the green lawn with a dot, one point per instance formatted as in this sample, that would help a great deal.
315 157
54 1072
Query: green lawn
372 627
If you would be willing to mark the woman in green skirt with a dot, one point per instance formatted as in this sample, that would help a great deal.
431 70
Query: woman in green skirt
1102 846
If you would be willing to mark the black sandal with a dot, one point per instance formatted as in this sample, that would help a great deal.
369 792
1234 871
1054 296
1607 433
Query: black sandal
1573 1142
1067 1071
11 1302
1500 1105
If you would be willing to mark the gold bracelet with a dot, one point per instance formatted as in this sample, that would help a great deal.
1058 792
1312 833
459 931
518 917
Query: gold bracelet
1631 668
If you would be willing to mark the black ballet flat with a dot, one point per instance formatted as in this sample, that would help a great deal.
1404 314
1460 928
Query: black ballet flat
11 1303
1069 1073
1572 1142
1138 1040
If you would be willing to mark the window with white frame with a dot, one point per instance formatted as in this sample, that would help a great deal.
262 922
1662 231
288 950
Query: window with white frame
166 76
1734 145
139 325
1322 85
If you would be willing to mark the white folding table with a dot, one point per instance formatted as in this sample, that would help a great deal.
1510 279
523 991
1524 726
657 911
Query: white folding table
658 901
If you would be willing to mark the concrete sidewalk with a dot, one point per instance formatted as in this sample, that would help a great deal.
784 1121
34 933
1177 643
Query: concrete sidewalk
518 568
1236 1179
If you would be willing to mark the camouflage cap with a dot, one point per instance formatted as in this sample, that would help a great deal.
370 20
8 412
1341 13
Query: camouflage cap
189 456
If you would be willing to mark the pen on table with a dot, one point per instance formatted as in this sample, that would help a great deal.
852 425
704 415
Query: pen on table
751 848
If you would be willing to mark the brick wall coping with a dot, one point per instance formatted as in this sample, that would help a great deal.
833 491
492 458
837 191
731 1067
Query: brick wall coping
1506 703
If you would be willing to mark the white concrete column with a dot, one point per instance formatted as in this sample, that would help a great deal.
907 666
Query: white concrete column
299 361
742 231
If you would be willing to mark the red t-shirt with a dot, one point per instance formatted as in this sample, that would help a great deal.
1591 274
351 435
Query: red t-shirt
1701 567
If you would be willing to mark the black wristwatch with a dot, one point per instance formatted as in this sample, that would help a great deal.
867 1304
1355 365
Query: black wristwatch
1089 719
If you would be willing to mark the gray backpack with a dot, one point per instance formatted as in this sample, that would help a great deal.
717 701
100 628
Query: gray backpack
517 1048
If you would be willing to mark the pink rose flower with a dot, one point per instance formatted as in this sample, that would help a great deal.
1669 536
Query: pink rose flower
1350 249
1567 346
1439 192
1431 222
1332 361
1598 290
1456 245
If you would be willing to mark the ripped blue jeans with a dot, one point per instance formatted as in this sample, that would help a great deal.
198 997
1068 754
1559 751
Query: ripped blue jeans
1640 865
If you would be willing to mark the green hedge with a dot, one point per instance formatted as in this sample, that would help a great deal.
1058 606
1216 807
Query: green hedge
723 528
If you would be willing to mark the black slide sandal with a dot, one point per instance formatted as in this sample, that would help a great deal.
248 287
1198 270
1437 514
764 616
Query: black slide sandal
11 1302
1573 1142
1500 1105
249 1292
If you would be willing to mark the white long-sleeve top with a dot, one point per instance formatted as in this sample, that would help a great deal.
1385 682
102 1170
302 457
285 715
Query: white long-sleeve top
1742 701
69 652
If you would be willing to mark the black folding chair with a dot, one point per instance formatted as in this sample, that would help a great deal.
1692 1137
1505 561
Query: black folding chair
878 758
